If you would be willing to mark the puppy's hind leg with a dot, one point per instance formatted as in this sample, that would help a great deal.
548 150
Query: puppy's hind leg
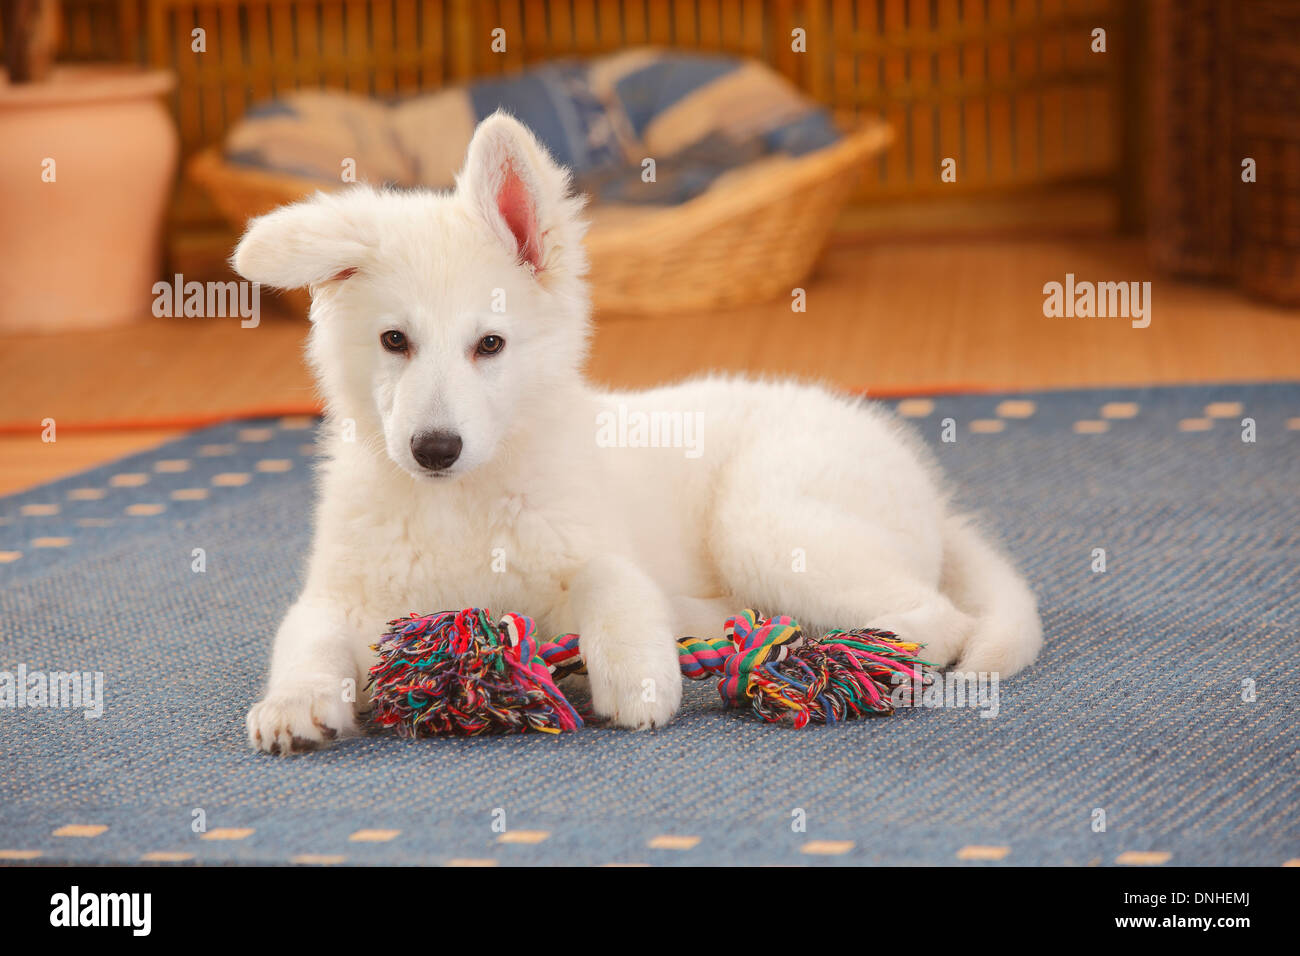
829 570
983 582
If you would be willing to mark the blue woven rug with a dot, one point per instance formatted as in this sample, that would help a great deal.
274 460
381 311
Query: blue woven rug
1160 723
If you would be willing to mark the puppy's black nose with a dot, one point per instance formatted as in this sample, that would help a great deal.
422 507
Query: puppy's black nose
436 450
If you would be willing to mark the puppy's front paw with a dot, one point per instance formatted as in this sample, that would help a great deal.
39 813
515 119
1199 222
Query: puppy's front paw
300 718
636 686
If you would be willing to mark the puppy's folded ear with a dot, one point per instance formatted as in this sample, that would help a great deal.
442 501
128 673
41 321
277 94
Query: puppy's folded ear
303 244
515 187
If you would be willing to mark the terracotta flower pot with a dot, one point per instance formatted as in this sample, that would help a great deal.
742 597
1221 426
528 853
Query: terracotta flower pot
86 167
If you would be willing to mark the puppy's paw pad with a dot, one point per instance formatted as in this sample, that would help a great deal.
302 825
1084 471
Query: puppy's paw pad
940 628
635 714
639 702
1001 650
299 720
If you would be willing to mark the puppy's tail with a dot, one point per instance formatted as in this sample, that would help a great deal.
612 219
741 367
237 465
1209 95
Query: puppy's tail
981 581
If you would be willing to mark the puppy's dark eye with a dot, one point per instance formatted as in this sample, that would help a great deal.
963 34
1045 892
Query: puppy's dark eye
394 341
491 345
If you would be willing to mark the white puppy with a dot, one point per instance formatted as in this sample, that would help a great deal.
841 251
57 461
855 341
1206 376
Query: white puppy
467 463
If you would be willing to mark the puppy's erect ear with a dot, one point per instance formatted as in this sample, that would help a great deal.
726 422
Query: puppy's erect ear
303 244
523 196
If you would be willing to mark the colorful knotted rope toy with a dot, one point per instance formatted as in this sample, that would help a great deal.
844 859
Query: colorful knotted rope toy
460 672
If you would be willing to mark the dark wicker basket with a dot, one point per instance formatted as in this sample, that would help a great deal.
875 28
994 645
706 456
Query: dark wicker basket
1190 211
1266 53
1225 85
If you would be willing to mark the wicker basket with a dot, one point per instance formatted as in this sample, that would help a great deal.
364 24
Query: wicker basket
1225 81
738 243
1267 84
1191 167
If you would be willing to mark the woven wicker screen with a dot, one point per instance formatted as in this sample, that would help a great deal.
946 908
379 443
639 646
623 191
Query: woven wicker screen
1008 88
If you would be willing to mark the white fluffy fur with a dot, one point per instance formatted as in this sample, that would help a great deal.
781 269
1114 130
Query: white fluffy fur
627 546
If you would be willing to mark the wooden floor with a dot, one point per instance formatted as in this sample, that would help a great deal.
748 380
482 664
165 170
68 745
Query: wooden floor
914 314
